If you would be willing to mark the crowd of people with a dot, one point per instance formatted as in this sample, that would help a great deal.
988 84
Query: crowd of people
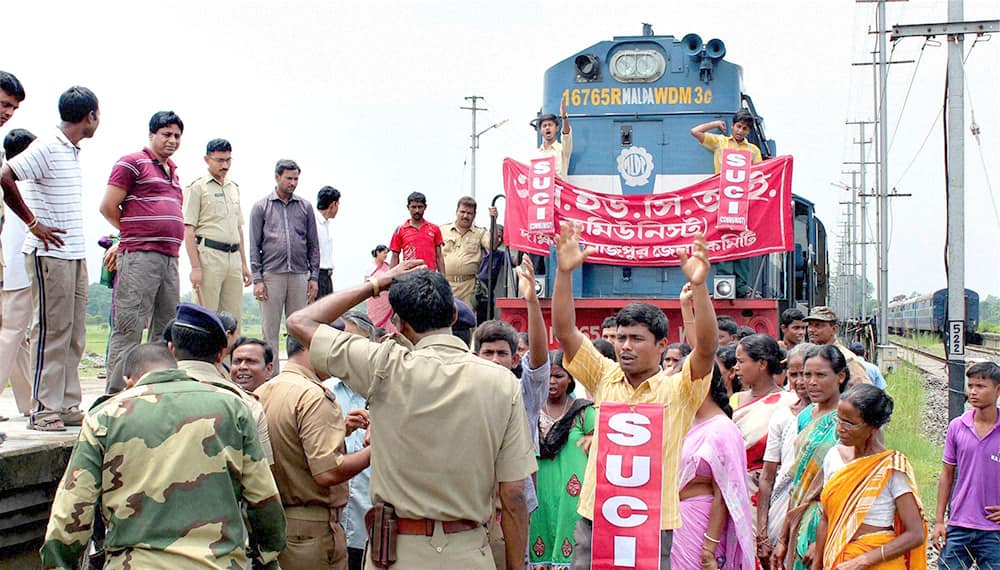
415 432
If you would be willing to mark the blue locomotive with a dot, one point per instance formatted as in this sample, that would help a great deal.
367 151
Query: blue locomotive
632 102
929 314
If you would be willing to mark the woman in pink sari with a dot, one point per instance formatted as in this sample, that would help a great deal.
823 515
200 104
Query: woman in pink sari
716 521
379 310
758 360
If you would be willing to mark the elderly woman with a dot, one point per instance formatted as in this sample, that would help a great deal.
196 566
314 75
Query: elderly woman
775 482
872 516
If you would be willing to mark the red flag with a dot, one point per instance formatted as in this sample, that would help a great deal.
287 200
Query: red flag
734 189
541 185
649 229
629 487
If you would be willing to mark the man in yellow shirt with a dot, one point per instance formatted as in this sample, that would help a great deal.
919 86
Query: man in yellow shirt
742 124
637 377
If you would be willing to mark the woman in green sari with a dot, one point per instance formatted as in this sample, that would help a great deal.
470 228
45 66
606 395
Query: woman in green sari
565 427
826 375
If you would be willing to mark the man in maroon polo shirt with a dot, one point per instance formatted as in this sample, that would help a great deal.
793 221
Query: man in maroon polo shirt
417 238
143 201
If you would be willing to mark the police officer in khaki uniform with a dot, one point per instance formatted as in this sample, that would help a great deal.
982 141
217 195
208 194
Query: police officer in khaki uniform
213 234
449 427
463 249
311 465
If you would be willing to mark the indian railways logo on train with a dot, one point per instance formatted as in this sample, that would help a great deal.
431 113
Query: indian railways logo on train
635 165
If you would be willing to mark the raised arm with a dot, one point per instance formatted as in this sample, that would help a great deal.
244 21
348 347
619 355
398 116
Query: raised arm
563 310
538 346
699 131
706 338
687 313
302 324
565 120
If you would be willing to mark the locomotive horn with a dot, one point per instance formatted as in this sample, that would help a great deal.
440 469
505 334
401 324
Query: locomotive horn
692 45
715 49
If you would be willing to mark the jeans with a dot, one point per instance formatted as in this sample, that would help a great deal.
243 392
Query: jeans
963 546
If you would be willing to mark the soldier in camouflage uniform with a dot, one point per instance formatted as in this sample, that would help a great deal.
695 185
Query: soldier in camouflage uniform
169 462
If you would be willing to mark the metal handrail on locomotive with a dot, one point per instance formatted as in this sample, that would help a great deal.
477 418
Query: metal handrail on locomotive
632 102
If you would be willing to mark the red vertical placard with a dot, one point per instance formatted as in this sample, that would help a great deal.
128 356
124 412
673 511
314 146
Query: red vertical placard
629 487
541 195
734 189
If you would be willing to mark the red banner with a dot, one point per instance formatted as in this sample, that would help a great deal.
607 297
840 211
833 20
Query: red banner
648 230
542 186
734 190
629 487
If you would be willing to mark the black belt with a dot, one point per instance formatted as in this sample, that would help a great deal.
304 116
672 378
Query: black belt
221 246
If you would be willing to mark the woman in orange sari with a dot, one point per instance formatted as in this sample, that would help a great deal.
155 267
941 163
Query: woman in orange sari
872 514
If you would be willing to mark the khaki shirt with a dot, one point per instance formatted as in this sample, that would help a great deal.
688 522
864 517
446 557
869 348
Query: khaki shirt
307 434
208 373
463 251
561 151
214 209
858 373
447 426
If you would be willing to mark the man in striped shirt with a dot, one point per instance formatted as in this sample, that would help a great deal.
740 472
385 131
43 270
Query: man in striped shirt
56 264
143 200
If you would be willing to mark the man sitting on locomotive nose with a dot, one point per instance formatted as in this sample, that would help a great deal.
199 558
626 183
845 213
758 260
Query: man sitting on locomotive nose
742 123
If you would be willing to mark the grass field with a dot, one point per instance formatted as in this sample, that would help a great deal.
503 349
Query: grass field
97 341
905 432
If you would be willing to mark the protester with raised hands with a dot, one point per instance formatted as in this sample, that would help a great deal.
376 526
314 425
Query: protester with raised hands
637 377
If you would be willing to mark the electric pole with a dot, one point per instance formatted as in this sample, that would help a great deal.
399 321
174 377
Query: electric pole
954 29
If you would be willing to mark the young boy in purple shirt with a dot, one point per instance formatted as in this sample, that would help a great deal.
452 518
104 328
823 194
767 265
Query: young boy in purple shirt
972 464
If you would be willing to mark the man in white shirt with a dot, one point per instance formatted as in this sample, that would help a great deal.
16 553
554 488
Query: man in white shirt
15 357
548 125
57 264
327 205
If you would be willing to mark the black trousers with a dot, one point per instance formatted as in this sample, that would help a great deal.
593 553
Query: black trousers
325 282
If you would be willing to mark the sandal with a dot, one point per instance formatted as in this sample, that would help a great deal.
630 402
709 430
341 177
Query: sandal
51 424
4 419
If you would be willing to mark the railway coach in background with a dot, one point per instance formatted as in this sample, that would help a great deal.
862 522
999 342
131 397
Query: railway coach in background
929 314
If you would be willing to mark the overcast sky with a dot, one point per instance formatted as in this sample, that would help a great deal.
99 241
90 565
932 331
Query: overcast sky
366 96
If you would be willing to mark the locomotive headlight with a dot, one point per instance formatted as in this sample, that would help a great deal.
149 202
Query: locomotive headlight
637 66
645 65
625 66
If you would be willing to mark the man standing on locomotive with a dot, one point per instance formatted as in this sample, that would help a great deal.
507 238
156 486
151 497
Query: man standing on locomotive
548 125
742 123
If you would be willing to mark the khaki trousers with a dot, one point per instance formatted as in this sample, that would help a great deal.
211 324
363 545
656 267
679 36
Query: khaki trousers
221 281
286 293
313 542
15 356
58 333
147 292
466 550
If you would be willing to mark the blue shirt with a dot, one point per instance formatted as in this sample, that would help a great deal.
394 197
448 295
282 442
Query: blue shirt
874 375
360 499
